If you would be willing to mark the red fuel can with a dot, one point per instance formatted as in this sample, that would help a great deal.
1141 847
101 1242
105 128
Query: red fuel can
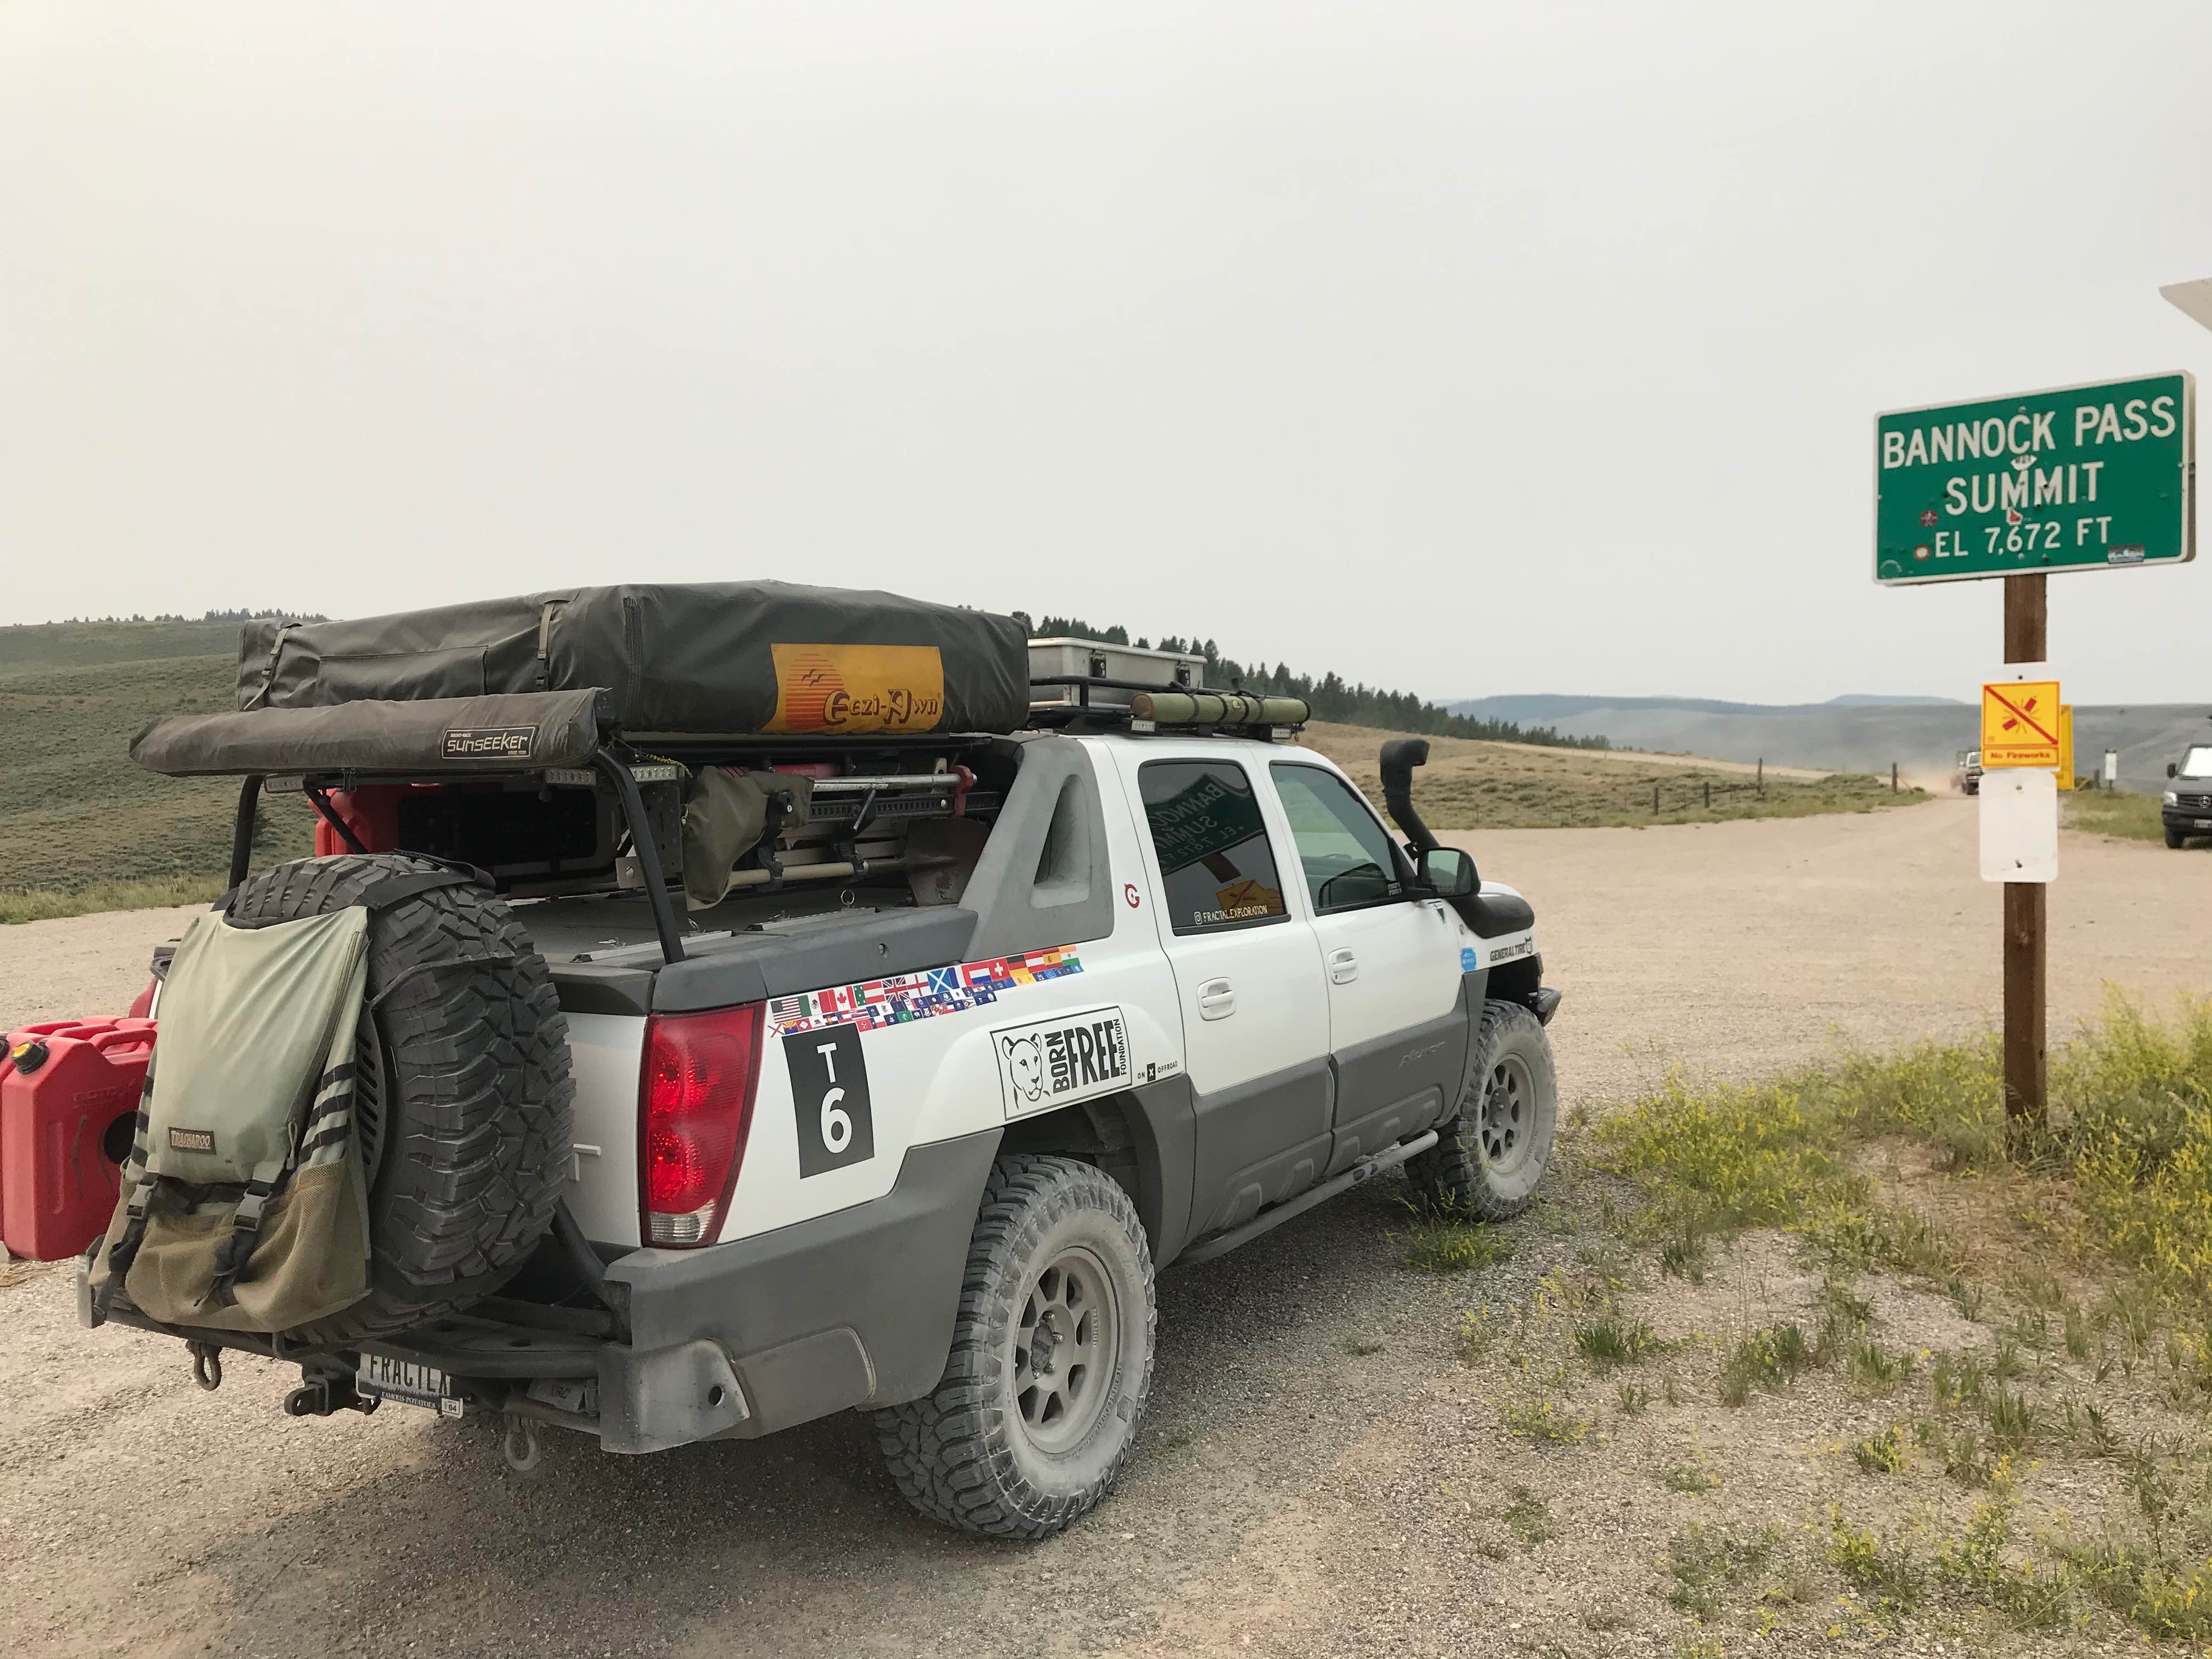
69 1100
372 812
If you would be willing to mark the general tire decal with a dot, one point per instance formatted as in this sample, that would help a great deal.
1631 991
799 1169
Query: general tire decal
1069 1057
830 1092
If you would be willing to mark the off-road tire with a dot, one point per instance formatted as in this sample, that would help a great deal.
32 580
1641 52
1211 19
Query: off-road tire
464 1106
965 1454
1459 1174
2175 839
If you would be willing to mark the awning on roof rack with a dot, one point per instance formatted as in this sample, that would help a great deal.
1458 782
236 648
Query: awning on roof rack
519 731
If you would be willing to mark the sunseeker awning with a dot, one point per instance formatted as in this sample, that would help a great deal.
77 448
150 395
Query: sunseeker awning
516 732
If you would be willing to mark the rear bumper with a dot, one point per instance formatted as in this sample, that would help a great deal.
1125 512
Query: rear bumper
852 1309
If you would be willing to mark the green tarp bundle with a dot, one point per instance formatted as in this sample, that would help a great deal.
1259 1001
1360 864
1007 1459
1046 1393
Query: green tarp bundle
726 818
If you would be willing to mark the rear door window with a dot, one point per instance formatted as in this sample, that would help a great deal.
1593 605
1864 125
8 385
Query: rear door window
1216 863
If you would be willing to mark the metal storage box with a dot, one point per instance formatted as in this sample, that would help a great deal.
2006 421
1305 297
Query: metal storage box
1097 659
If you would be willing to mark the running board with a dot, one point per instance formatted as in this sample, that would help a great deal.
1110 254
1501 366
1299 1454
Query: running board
1366 1170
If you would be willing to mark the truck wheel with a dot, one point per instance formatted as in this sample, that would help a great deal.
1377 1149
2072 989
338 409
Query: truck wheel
1487 1161
1051 1360
2174 838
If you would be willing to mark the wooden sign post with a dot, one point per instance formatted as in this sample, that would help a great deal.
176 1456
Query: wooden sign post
2026 903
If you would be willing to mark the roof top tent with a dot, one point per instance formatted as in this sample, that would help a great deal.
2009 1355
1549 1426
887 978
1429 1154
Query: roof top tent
552 740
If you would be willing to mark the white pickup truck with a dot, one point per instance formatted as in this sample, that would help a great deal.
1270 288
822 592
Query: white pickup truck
1072 1003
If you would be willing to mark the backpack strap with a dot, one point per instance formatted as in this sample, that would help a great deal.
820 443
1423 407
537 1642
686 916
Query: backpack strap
233 1253
140 1182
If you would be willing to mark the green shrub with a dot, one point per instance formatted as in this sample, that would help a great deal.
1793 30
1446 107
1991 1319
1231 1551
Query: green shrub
1612 1341
1451 1244
1769 1359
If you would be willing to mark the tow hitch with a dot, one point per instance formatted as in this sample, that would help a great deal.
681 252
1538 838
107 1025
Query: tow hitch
323 1394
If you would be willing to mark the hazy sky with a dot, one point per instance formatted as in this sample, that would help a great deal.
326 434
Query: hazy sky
1467 348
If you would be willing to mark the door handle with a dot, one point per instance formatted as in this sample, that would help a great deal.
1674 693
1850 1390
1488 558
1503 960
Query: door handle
1343 967
1217 1000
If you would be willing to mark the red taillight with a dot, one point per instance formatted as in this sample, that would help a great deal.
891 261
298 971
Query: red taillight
696 1109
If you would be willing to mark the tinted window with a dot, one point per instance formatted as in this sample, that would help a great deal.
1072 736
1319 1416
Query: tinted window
1345 855
1214 856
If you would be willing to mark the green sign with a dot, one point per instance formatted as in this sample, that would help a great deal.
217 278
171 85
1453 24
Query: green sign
1203 820
2081 478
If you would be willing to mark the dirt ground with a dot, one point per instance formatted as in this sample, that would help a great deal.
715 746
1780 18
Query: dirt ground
1319 1472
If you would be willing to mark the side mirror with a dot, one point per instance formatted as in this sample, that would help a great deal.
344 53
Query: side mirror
2172 770
1447 872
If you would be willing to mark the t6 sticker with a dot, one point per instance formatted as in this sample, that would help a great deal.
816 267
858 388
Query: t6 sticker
829 1090
1069 1057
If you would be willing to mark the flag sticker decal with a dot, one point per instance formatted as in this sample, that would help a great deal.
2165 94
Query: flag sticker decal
904 997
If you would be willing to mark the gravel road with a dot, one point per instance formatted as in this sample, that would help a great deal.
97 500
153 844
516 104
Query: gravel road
1294 1491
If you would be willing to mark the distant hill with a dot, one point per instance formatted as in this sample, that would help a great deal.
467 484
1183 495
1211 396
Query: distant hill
1554 707
82 644
1857 733
1864 700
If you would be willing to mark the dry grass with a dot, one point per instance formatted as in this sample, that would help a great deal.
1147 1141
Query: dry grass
2041 1461
44 904
1510 786
2114 813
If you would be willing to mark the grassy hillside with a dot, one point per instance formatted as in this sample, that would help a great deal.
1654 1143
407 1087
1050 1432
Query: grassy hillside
28 647
82 827
1506 786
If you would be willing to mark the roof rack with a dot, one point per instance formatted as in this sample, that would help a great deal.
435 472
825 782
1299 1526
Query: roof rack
1181 709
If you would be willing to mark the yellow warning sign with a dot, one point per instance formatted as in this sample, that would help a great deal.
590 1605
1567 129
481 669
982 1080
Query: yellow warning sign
2021 724
2065 745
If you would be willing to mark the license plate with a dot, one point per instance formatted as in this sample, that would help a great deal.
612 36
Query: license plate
383 1378
2204 823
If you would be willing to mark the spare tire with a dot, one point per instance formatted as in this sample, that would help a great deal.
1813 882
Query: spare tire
464 1103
